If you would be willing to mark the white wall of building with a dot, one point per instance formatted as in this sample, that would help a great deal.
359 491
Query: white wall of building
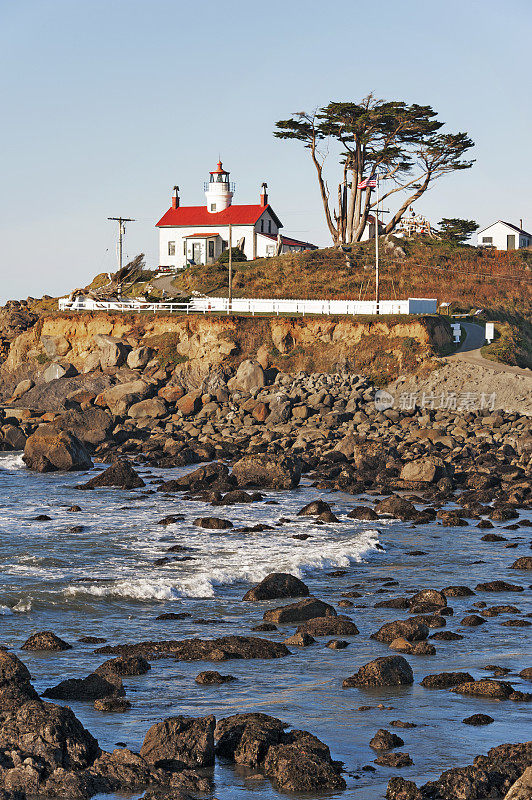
496 235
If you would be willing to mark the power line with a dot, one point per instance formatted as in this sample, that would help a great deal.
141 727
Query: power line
121 231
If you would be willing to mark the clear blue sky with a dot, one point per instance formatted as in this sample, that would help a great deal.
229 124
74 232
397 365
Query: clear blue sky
106 104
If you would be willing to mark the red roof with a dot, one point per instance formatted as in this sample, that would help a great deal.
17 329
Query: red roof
290 242
199 215
201 236
219 170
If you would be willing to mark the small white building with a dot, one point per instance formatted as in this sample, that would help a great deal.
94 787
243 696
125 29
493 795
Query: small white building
199 234
504 236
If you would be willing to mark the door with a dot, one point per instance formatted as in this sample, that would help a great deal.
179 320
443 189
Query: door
196 253
510 242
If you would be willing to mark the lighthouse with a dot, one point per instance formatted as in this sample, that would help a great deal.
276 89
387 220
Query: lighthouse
218 191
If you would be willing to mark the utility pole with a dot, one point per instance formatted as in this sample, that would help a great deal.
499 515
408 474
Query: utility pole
121 231
230 301
377 288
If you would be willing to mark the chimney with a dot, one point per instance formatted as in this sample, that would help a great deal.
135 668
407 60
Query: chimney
521 224
264 195
175 198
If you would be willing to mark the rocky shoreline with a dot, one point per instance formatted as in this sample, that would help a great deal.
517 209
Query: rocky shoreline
252 430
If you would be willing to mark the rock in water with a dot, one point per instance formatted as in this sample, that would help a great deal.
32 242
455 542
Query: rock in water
50 449
45 640
300 612
385 671
384 740
180 741
275 585
213 678
269 472
93 687
410 629
120 474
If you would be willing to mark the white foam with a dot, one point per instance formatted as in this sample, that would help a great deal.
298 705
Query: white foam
12 460
4 610
23 606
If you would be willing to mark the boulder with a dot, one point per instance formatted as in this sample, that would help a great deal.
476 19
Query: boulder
21 388
430 598
118 398
112 704
50 449
249 375
410 629
171 393
59 370
113 352
300 612
153 407
397 507
222 649
12 437
45 640
498 586
384 740
486 687
267 471
524 563
120 475
213 678
302 763
213 523
300 639
276 585
363 512
189 404
90 425
472 621
384 671
401 789
93 687
179 741
246 738
314 509
422 470
478 720
522 788
329 626
457 591
394 760
444 680
123 666
139 357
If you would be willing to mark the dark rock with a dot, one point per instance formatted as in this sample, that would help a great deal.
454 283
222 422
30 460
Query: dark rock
45 640
526 674
120 475
180 741
393 602
486 687
112 704
458 591
524 563
265 627
499 586
50 449
302 763
246 647
395 760
269 472
401 789
314 509
90 425
443 680
363 513
300 639
429 597
397 507
92 640
446 636
385 671
213 678
329 626
124 666
276 585
300 612
93 687
384 740
472 621
337 644
493 537
211 476
246 738
478 719
213 523
171 519
397 723
408 629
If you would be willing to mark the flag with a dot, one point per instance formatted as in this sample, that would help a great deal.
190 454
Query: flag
368 183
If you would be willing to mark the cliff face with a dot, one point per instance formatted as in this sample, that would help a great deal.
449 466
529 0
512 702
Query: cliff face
200 342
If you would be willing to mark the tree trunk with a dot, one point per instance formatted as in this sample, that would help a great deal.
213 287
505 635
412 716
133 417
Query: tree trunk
324 196
412 199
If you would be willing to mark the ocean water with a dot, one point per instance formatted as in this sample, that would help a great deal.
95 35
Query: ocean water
104 581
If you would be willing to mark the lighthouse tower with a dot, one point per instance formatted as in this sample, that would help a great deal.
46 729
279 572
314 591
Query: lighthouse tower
218 190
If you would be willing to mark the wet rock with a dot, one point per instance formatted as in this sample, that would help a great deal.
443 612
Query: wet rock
486 687
524 563
446 636
478 719
92 640
329 626
265 627
239 496
429 598
300 639
393 602
180 741
493 537
263 470
213 678
337 644
472 621
45 640
401 789
120 475
93 687
412 648
526 674
397 723
300 612
495 611
277 585
395 760
499 586
49 449
112 704
214 476
170 519
430 620
213 523
397 507
302 763
458 591
443 680
363 513
124 666
246 738
385 671
522 788
384 740
409 629
314 509
246 647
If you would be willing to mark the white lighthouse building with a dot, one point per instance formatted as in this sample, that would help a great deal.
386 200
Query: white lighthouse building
199 234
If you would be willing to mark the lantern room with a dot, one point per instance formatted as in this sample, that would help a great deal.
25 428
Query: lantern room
218 191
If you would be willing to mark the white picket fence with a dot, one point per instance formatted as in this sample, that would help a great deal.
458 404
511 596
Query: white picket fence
206 305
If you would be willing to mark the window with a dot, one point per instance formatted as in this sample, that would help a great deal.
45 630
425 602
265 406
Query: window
213 206
185 247
225 244
487 240
262 226
211 248
171 248
269 226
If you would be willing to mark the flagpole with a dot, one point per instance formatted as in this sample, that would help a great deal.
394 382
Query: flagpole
377 293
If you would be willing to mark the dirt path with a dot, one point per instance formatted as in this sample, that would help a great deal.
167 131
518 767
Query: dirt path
469 352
